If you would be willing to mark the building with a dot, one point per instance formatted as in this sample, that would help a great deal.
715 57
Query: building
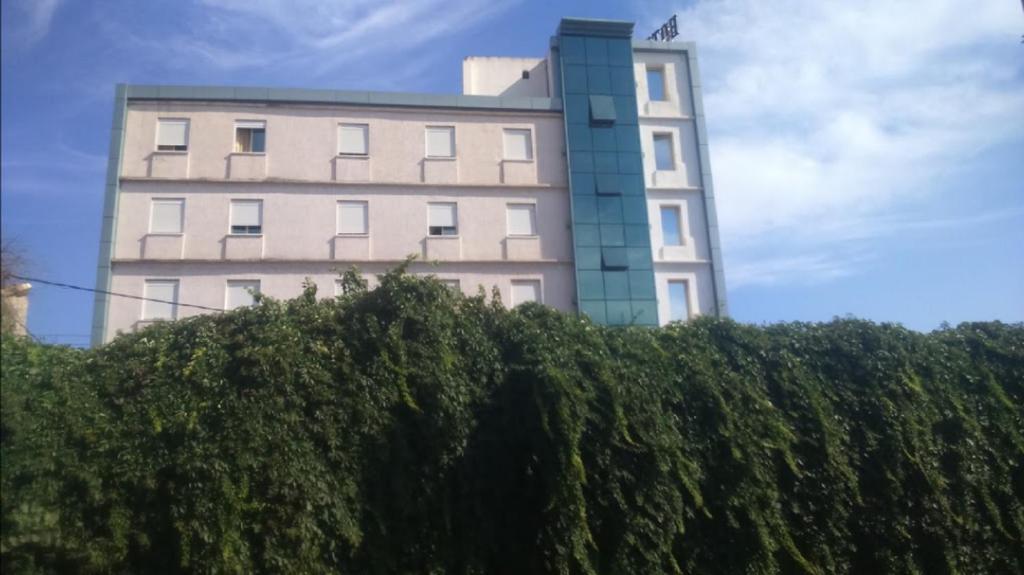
14 300
580 180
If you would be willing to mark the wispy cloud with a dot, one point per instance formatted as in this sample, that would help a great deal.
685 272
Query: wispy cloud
809 269
828 117
33 20
315 39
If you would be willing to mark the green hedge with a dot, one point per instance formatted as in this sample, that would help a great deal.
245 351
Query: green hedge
411 430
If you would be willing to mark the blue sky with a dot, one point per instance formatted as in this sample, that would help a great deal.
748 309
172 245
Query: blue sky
868 156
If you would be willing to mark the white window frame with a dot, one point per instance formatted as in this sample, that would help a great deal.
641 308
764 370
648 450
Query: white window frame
455 214
533 219
678 209
181 215
686 297
426 142
671 137
231 218
147 311
250 125
365 128
505 133
454 284
366 217
160 122
227 291
532 281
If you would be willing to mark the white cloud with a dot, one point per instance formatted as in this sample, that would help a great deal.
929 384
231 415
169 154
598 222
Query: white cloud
318 37
808 269
357 44
826 116
37 16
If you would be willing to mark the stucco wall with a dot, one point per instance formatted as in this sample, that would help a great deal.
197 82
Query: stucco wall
300 178
302 143
299 220
205 283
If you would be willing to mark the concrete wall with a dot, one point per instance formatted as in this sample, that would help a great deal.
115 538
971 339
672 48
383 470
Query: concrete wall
302 145
484 76
205 284
680 187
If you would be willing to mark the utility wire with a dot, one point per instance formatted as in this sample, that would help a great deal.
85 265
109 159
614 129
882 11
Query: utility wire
129 296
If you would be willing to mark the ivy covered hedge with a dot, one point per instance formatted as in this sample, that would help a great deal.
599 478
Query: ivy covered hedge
411 430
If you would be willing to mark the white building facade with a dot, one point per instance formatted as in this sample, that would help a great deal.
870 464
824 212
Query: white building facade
214 193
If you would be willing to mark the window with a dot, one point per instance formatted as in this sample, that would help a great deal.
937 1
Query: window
656 84
679 305
443 220
663 156
352 218
161 300
525 291
526 74
240 293
250 136
172 135
440 141
353 139
454 285
247 217
522 220
602 109
518 145
166 216
671 232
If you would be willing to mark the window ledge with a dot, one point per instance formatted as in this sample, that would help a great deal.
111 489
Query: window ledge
522 237
354 156
166 234
660 116
171 152
511 161
351 235
244 235
248 154
430 237
439 158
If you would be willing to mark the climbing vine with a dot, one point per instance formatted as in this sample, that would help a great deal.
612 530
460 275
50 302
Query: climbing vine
407 429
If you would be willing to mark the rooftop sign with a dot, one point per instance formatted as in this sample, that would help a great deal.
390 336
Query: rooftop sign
667 32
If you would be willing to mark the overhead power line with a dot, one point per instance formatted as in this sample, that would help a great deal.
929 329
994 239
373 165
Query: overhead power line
129 296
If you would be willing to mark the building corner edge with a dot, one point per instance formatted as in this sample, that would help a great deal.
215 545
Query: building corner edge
101 301
707 186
